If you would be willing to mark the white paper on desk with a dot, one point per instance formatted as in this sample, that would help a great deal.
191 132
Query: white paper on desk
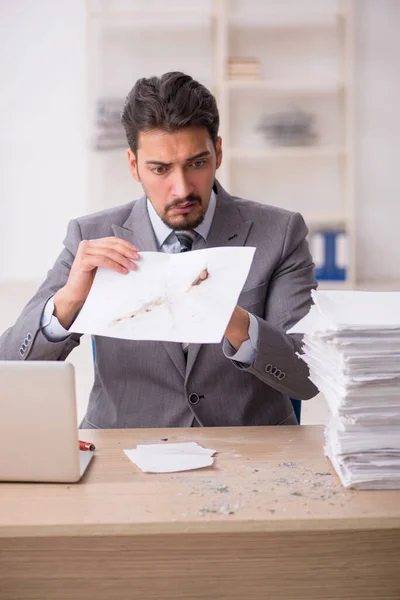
170 458
159 300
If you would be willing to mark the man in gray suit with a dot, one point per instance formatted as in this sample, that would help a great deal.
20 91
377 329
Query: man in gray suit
171 125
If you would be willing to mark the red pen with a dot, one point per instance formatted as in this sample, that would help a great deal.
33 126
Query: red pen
86 446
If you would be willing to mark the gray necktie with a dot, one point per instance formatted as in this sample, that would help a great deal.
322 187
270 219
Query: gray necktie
186 239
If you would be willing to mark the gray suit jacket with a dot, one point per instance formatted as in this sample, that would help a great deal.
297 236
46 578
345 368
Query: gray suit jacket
149 384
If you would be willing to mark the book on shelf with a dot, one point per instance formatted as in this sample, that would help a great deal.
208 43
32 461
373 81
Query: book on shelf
243 68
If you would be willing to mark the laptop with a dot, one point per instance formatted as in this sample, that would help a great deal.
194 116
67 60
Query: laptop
38 423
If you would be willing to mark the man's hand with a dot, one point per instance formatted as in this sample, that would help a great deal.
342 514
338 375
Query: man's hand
111 252
237 331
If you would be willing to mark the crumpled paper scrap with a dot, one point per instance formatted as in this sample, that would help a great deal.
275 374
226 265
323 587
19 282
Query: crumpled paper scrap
170 458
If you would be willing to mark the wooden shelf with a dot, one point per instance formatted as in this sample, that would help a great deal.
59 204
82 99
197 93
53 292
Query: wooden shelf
370 286
287 87
320 219
335 285
284 152
280 20
147 20
391 285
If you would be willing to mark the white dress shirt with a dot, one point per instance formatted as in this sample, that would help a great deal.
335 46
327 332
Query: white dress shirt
167 242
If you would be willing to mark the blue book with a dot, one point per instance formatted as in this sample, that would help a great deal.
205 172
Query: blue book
329 252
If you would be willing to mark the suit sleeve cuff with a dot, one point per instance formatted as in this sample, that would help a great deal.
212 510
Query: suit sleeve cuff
50 325
246 355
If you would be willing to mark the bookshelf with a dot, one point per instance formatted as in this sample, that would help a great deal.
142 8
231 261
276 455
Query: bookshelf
303 61
129 39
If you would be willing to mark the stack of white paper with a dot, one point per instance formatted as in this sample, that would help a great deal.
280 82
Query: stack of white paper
352 347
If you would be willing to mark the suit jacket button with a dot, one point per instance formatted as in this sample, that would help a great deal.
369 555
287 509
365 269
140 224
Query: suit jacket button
194 398
268 368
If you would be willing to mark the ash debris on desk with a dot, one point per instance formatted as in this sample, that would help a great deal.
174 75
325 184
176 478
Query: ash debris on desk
269 488
302 481
225 509
223 489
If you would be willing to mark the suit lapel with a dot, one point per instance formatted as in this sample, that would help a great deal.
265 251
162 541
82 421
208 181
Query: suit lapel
138 230
227 229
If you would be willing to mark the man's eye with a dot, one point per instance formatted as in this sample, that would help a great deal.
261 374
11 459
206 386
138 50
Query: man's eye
159 170
198 164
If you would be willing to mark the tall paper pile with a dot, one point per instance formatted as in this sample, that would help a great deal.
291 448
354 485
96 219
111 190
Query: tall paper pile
352 347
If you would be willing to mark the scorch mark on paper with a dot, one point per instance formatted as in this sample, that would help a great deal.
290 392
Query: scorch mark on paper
146 308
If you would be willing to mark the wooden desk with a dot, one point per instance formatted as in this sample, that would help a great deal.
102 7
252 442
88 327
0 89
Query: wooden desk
269 521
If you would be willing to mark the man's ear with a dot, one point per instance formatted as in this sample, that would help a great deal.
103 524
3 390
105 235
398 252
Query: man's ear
133 167
218 150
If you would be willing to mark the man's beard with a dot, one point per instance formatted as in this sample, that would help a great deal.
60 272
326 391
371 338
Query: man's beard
186 221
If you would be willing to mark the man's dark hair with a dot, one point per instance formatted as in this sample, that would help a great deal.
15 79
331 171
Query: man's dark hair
170 102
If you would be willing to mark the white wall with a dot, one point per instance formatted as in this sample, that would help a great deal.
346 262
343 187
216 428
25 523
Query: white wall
378 139
42 125
43 133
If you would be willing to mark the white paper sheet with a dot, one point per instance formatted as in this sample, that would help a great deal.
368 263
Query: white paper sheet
170 458
359 309
163 300
349 311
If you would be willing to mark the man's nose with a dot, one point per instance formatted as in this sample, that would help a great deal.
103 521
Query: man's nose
182 186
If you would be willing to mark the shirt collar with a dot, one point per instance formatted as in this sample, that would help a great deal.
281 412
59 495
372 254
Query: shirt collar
162 231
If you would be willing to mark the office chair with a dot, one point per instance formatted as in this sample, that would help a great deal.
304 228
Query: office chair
297 408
